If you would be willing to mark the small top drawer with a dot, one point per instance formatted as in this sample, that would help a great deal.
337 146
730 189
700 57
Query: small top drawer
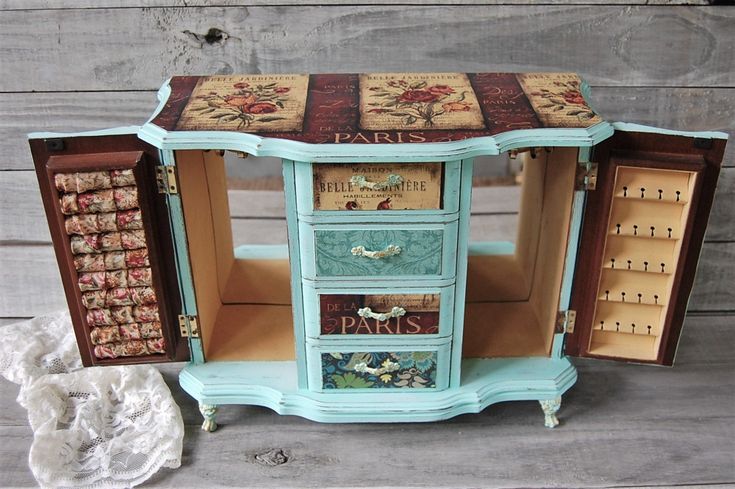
365 189
375 252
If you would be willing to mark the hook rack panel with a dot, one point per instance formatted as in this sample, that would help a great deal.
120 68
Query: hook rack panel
646 223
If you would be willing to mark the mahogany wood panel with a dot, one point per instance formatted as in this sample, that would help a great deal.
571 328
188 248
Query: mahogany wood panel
99 154
654 151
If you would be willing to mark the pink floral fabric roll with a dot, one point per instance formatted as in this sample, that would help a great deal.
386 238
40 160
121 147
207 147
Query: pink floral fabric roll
88 243
82 182
122 178
91 281
157 345
104 334
94 299
139 276
132 240
151 329
125 198
100 317
96 202
137 258
130 219
90 263
144 314
130 331
123 314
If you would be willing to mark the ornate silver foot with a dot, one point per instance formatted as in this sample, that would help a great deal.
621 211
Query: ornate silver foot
550 408
208 411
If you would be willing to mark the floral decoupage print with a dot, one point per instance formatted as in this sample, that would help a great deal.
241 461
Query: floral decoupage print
375 370
557 99
247 103
421 101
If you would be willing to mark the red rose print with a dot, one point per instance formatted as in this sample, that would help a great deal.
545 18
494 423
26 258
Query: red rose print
241 85
282 89
573 97
260 108
240 100
441 90
456 107
410 96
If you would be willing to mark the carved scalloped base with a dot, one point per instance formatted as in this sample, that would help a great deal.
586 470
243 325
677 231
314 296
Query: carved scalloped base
274 385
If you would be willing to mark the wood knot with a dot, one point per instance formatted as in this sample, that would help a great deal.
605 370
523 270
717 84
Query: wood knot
272 457
214 36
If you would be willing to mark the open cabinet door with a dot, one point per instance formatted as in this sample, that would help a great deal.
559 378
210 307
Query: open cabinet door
642 234
111 234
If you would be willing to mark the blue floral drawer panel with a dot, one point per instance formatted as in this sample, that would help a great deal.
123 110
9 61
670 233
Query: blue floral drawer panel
417 369
375 251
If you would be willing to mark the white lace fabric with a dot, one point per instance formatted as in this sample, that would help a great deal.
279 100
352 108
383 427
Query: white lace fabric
98 427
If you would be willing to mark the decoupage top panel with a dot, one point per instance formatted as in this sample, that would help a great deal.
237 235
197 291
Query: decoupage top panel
376 107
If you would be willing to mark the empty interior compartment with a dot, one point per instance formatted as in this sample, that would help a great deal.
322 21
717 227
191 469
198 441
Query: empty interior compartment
243 294
647 218
513 291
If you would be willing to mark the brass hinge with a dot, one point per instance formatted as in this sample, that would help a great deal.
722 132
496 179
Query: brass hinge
188 326
586 176
166 180
565 321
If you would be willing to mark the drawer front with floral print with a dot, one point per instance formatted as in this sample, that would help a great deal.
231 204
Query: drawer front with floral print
339 313
396 369
375 251
362 189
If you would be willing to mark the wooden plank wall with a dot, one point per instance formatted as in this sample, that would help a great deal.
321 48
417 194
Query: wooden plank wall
80 64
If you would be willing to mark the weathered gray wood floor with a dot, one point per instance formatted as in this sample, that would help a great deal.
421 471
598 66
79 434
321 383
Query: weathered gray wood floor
622 426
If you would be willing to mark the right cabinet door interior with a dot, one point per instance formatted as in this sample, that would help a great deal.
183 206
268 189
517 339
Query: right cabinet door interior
642 234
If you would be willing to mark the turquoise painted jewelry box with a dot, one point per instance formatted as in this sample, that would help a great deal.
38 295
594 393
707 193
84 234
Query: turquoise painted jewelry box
380 308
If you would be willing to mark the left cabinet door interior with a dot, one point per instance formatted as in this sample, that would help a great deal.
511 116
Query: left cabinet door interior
112 239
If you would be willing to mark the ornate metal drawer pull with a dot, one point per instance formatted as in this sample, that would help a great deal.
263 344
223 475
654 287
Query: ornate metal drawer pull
361 182
387 367
390 250
366 312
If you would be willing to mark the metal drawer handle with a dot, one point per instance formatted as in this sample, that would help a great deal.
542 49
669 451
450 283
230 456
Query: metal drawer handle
388 366
390 250
390 181
366 312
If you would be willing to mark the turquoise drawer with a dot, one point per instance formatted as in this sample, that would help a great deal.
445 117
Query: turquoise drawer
360 190
398 369
378 251
399 313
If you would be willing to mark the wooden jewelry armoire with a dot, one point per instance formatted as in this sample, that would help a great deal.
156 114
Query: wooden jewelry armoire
380 308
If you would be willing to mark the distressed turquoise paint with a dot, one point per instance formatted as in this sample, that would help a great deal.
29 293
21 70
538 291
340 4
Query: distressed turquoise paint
181 258
463 240
297 302
261 252
113 131
374 153
629 127
483 382
481 248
